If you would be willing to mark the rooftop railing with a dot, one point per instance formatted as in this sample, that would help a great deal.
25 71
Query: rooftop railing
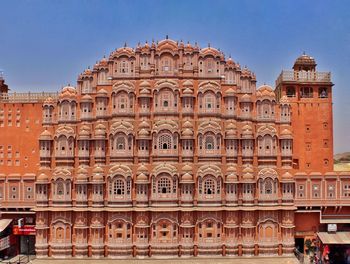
303 76
27 97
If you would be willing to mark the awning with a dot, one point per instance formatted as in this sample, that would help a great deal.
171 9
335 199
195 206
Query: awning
340 238
4 223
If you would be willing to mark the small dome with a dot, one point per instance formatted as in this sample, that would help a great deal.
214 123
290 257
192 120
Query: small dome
187 91
97 174
232 177
187 83
246 98
247 131
141 178
286 134
287 175
187 124
187 132
145 84
142 168
49 101
102 93
231 169
187 177
229 92
84 131
42 178
231 125
248 173
145 92
187 167
86 98
143 133
100 130
97 169
45 135
68 92
144 124
231 130
82 174
266 91
305 60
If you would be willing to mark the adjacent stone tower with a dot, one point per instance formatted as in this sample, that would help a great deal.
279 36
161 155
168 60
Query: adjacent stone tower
310 95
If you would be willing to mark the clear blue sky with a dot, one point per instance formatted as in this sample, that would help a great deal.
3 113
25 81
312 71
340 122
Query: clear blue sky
46 44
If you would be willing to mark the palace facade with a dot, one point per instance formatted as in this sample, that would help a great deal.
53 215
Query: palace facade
171 150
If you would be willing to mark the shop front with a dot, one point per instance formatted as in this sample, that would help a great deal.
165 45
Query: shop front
334 247
26 238
7 239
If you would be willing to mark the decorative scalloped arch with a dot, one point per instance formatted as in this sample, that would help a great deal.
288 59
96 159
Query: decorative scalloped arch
126 86
122 126
165 168
266 130
65 131
209 169
170 125
267 173
209 125
209 86
120 169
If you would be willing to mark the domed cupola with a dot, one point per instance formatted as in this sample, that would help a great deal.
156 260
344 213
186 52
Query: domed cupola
305 63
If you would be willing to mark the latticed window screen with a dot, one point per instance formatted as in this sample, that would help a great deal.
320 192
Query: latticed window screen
164 185
120 143
209 186
165 141
118 187
209 101
209 142
60 188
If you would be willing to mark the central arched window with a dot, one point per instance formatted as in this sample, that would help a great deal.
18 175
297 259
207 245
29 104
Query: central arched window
209 142
164 185
209 186
118 187
120 143
165 141
268 186
60 188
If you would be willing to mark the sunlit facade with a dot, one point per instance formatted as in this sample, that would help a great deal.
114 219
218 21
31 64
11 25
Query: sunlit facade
171 150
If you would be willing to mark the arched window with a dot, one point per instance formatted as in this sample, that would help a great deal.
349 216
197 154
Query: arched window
120 143
209 100
118 187
164 185
209 142
65 110
124 66
268 186
60 188
86 86
102 77
209 186
166 100
165 141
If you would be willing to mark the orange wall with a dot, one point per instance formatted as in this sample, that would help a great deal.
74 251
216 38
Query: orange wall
305 222
21 132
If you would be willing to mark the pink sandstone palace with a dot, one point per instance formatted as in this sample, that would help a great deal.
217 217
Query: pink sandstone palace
168 149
